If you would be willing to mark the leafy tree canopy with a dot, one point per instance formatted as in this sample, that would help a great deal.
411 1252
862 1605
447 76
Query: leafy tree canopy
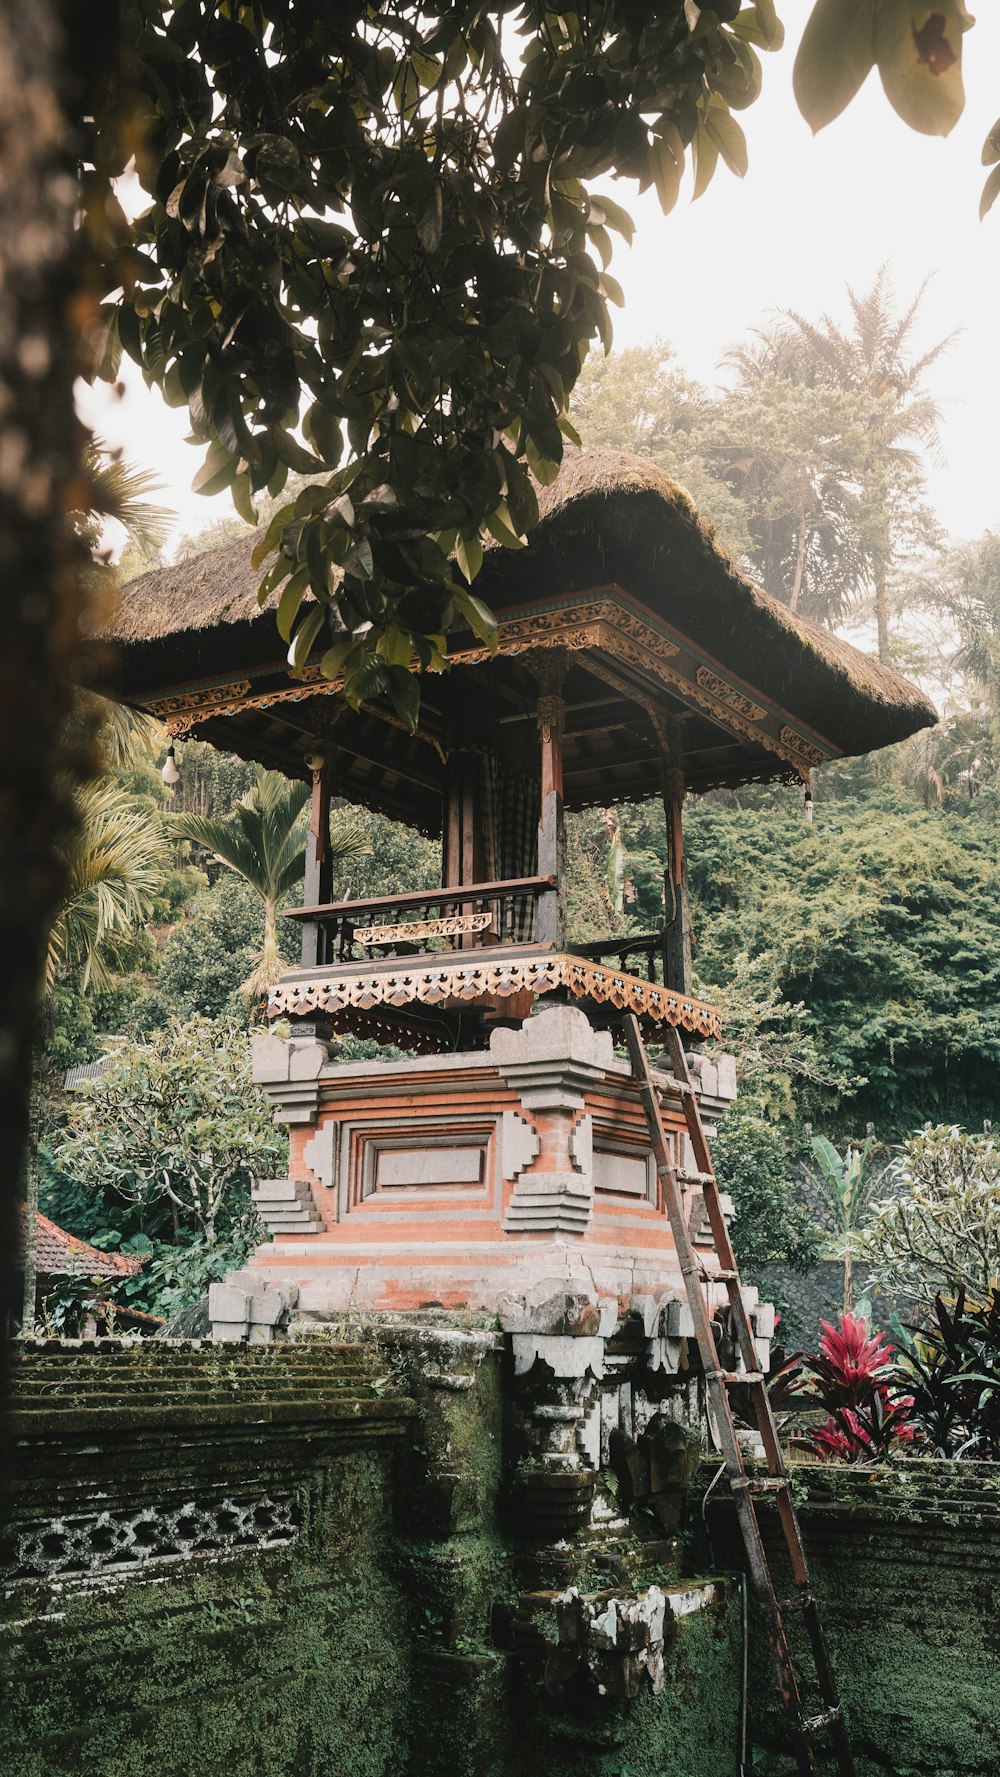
375 254
176 1121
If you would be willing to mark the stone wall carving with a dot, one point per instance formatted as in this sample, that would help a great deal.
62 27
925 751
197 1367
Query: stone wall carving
82 1544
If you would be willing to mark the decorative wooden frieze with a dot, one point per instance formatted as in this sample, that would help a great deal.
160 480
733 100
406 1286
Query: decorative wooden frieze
431 983
603 626
728 694
803 749
410 930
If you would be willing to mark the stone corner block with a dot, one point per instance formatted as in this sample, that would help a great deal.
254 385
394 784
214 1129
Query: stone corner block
552 1034
228 1305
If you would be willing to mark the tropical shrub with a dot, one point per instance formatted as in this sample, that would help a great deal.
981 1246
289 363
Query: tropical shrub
952 1370
845 1184
175 1124
852 1378
939 1232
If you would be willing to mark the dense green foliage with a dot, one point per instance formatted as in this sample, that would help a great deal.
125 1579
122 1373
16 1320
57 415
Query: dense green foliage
157 1157
884 922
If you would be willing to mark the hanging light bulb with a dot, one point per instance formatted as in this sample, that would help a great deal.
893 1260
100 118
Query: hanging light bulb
170 773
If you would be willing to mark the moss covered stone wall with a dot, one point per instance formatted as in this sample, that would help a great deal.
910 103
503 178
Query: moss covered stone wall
306 1560
904 1560
198 1568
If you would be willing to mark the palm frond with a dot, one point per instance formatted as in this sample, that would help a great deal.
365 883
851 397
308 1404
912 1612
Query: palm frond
115 861
120 490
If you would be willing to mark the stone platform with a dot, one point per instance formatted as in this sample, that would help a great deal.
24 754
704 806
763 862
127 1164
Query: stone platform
452 1181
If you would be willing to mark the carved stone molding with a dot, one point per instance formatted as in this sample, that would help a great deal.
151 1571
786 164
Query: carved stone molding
289 1073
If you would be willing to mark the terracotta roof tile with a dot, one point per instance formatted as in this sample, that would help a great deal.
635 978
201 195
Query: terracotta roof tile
60 1254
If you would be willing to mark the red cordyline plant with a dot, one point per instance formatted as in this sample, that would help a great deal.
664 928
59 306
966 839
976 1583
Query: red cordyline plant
850 1376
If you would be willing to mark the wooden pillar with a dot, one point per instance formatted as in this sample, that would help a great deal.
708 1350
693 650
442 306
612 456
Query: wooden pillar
676 911
462 847
550 920
318 884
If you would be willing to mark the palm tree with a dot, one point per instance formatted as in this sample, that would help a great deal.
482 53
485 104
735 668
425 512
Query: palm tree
790 452
873 359
117 489
263 841
113 859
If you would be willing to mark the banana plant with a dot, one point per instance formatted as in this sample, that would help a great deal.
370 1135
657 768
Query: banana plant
847 1183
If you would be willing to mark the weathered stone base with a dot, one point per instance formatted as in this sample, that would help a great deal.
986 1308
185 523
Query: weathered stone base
450 1180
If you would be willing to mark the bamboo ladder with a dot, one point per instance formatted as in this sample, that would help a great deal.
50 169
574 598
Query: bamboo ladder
671 1184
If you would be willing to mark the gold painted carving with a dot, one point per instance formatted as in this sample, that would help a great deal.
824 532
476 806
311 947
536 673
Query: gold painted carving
424 928
430 983
602 626
728 694
803 749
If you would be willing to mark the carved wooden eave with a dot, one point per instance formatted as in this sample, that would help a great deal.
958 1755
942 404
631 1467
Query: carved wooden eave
627 647
343 994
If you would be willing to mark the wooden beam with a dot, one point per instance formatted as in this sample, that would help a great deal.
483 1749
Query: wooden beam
677 972
550 917
319 876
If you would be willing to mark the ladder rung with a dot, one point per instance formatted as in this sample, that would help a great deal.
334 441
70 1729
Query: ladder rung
708 1276
696 1178
801 1601
760 1483
812 1724
683 1087
749 1378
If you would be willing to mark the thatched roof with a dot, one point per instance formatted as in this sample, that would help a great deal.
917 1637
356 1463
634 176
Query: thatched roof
608 520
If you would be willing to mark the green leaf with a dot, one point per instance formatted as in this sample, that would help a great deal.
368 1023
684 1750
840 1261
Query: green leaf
395 646
542 468
728 137
761 25
291 452
500 527
291 598
919 56
305 636
508 139
243 499
836 55
277 572
705 153
615 217
336 658
469 556
217 472
991 191
477 615
322 431
428 68
667 162
404 693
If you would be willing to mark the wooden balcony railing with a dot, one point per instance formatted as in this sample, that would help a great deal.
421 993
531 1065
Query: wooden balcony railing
426 920
650 947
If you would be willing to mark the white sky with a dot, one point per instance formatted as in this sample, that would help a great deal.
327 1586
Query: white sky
811 216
